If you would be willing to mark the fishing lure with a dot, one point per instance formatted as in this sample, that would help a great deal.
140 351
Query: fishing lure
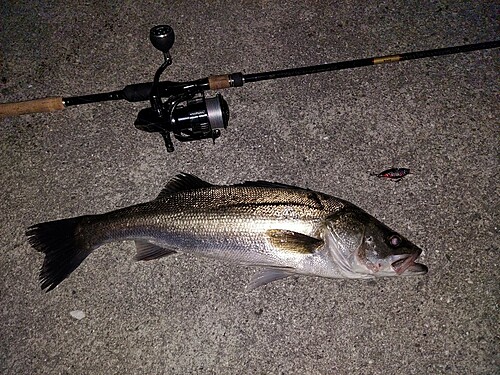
395 174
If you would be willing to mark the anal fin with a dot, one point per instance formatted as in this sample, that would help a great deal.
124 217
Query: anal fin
148 251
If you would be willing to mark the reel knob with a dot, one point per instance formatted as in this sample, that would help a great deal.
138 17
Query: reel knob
162 37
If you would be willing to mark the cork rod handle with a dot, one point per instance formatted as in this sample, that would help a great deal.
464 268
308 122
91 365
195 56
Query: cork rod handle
49 104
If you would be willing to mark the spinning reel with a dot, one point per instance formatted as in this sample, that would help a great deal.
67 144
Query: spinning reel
189 115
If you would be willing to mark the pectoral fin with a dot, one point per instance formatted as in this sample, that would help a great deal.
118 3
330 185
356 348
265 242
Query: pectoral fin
149 251
288 240
267 276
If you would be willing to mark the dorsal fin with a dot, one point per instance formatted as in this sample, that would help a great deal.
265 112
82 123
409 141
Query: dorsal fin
182 182
267 184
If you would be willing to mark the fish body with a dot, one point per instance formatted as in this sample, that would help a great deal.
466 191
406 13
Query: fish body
285 229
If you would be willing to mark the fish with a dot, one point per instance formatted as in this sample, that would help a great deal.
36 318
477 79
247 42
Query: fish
283 229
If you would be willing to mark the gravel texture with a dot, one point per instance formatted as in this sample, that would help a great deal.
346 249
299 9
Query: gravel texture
327 132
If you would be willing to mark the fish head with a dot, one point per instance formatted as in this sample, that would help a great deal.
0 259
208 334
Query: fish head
364 247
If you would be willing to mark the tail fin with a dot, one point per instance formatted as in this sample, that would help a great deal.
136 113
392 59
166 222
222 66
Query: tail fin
65 246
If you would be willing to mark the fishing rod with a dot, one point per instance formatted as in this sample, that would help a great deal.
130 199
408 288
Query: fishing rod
183 109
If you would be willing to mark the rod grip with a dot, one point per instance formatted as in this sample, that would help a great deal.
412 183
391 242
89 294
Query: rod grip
225 81
219 82
50 104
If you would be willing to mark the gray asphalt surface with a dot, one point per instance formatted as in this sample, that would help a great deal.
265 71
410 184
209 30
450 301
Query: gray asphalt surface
327 132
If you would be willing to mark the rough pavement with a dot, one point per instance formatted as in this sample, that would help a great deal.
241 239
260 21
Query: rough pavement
183 315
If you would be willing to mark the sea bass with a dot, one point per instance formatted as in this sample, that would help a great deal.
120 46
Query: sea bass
285 229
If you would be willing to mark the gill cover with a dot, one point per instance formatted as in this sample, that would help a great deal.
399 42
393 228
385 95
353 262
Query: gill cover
345 235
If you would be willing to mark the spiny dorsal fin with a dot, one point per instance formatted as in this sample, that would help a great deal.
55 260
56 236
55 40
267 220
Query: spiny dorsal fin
182 182
290 241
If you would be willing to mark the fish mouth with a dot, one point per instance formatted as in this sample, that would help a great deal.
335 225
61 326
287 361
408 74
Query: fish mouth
406 264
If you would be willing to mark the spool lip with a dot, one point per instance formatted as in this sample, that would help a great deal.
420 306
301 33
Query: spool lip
217 112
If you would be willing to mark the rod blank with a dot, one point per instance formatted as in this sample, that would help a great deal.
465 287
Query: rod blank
367 62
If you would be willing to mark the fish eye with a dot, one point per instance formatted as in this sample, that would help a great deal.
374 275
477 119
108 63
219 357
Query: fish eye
395 240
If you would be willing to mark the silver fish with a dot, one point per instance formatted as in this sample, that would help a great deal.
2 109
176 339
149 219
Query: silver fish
287 230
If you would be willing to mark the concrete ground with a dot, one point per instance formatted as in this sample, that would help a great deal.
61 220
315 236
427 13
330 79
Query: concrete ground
184 315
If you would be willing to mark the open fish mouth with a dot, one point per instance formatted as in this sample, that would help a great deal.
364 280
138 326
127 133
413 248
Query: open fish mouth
406 265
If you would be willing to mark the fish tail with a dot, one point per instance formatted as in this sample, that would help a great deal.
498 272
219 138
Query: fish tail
65 243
